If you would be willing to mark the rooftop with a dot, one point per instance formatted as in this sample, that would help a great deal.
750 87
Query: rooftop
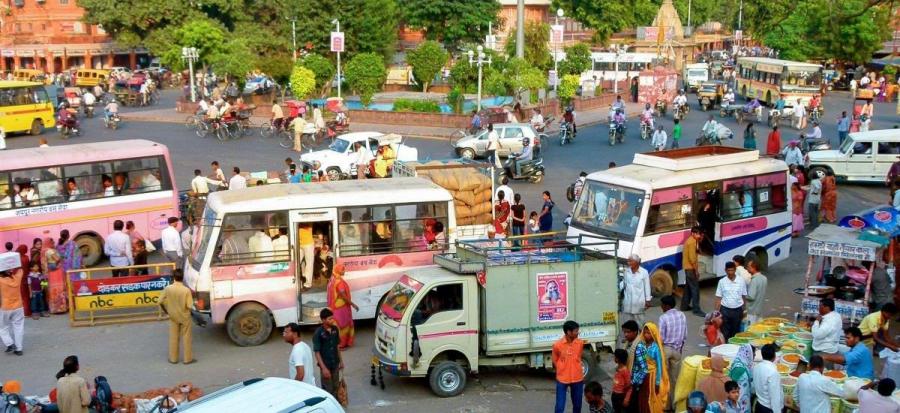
695 157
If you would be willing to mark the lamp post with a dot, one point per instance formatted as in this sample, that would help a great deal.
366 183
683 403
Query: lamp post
559 14
294 37
191 55
480 61
620 50
337 25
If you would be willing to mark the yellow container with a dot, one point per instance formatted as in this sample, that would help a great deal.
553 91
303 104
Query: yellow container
761 328
788 383
777 335
747 334
850 407
836 376
759 342
739 340
775 321
784 369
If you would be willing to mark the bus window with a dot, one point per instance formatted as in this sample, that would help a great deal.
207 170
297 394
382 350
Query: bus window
88 179
143 175
38 186
771 193
248 238
670 210
737 199
382 229
7 195
352 231
415 226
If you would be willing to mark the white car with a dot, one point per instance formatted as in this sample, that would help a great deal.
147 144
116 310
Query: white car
271 394
120 69
339 159
864 156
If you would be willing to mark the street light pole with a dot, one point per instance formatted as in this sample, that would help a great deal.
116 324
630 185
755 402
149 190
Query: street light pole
480 61
338 29
190 54
619 50
559 13
294 36
520 29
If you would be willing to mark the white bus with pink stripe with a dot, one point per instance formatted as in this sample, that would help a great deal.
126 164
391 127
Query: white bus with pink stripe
741 202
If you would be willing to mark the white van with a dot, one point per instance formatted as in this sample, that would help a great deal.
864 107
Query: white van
864 156
270 394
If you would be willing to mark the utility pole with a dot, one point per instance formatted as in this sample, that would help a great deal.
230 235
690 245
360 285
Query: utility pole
520 29
741 20
339 80
294 36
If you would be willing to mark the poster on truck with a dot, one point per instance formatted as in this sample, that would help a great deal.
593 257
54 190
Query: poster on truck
553 296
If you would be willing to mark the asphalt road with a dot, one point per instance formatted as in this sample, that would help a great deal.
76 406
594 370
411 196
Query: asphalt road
133 356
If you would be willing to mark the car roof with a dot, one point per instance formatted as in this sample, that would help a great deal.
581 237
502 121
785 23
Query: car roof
881 135
359 136
270 394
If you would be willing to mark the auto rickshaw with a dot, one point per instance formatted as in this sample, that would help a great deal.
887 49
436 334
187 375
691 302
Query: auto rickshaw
710 93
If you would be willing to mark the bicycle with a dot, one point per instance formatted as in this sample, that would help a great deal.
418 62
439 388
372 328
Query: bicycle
192 120
285 139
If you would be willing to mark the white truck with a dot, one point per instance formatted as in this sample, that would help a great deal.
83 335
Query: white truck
694 74
490 305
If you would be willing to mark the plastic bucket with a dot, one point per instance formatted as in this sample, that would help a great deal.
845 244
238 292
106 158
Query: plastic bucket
788 384
850 407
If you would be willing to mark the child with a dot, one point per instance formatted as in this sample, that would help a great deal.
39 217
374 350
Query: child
734 393
593 395
712 329
621 388
139 250
35 288
533 224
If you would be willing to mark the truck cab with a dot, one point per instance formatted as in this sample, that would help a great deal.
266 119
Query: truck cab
492 305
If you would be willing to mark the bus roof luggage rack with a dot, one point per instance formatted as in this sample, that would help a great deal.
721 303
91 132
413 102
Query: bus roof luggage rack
472 257
454 263
695 157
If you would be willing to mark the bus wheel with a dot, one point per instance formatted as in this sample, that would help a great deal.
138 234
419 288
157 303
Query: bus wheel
249 324
36 127
662 283
91 248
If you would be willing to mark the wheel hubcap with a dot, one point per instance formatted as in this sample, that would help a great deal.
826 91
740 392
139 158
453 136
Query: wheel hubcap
250 326
449 381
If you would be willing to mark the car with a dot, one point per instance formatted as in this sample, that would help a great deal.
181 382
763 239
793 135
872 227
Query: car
156 67
259 85
863 156
511 134
270 394
339 159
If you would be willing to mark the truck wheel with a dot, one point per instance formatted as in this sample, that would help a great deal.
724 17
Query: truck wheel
588 365
91 248
661 283
447 379
250 324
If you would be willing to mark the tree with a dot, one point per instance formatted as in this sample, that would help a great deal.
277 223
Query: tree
452 22
568 87
365 73
537 35
369 26
608 16
303 81
578 60
322 67
278 66
522 76
427 60
205 35
235 61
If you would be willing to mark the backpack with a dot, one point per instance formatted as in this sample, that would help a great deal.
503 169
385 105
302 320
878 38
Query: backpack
103 400
570 192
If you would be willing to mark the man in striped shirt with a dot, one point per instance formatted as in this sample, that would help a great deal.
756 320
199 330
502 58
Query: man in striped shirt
673 331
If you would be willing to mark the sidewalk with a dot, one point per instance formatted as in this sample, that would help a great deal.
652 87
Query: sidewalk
584 119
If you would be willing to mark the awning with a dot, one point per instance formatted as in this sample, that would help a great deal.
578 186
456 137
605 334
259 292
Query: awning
884 220
886 61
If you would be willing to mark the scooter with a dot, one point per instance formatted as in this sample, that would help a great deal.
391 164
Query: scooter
815 114
89 111
532 170
646 129
113 121
616 132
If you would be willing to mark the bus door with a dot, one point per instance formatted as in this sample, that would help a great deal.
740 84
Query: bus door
313 234
707 216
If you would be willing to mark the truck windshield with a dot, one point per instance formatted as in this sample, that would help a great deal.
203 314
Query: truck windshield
697 73
609 210
201 238
398 298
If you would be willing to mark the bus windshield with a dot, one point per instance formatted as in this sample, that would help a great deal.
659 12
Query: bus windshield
398 298
202 238
803 79
609 210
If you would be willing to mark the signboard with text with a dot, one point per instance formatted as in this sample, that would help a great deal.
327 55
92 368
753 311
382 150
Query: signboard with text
337 42
553 297
841 250
556 34
121 292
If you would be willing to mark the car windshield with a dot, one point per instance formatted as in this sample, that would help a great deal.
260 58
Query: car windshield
847 146
697 73
609 210
339 145
200 242
708 89
398 298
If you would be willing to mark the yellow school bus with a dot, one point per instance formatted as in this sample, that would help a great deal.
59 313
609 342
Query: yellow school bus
91 77
25 107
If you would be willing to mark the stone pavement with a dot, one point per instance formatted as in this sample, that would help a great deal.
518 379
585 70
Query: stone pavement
584 118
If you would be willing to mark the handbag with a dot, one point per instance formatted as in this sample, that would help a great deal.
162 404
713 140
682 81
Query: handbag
342 396
149 246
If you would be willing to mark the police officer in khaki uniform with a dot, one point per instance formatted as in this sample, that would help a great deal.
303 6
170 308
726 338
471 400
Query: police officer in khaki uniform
177 302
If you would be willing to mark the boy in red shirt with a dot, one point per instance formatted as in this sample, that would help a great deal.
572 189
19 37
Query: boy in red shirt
621 388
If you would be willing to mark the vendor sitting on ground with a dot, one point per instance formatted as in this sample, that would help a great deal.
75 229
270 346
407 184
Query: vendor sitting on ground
858 359
874 328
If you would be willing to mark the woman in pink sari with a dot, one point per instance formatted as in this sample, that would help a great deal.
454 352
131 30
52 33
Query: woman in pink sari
340 303
57 300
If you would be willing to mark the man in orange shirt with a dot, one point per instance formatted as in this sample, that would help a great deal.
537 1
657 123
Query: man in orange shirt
12 310
690 299
567 361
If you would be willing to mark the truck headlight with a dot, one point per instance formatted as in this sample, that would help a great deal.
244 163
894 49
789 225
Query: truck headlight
391 350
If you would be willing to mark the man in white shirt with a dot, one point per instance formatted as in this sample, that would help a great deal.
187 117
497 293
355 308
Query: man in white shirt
537 120
217 175
813 391
237 181
171 242
118 249
637 293
493 146
202 107
730 293
800 115
792 154
659 138
767 383
281 244
318 120
300 363
816 132
88 99
260 245
363 156
200 183
827 328
508 193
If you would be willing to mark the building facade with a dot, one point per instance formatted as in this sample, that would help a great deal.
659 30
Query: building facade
49 35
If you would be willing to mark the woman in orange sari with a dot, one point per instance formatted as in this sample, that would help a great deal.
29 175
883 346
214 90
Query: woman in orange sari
57 300
829 197
340 304
649 372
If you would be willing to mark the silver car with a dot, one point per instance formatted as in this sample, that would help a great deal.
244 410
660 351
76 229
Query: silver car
511 134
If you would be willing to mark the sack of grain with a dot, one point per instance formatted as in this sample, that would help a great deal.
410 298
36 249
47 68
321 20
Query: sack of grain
467 197
482 208
483 196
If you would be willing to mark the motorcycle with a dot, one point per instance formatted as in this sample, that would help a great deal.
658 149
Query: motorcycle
815 114
646 130
566 134
112 122
729 109
680 112
532 170
616 132
721 134
89 111
661 108
705 103
68 125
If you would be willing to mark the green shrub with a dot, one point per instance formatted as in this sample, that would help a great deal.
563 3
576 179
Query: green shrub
415 105
455 99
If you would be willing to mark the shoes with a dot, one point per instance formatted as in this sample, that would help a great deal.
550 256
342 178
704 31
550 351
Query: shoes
699 313
10 349
173 362
45 314
18 353
35 317
190 362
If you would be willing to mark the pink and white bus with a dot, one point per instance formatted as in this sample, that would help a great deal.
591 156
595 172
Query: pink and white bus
84 188
245 264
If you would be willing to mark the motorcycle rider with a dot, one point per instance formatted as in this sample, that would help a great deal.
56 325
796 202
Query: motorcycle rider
619 120
537 120
728 98
618 104
88 99
710 129
526 156
112 108
814 105
680 101
569 119
647 116
816 132
659 138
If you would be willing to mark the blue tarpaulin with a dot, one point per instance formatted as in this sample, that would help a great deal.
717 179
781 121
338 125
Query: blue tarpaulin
874 223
